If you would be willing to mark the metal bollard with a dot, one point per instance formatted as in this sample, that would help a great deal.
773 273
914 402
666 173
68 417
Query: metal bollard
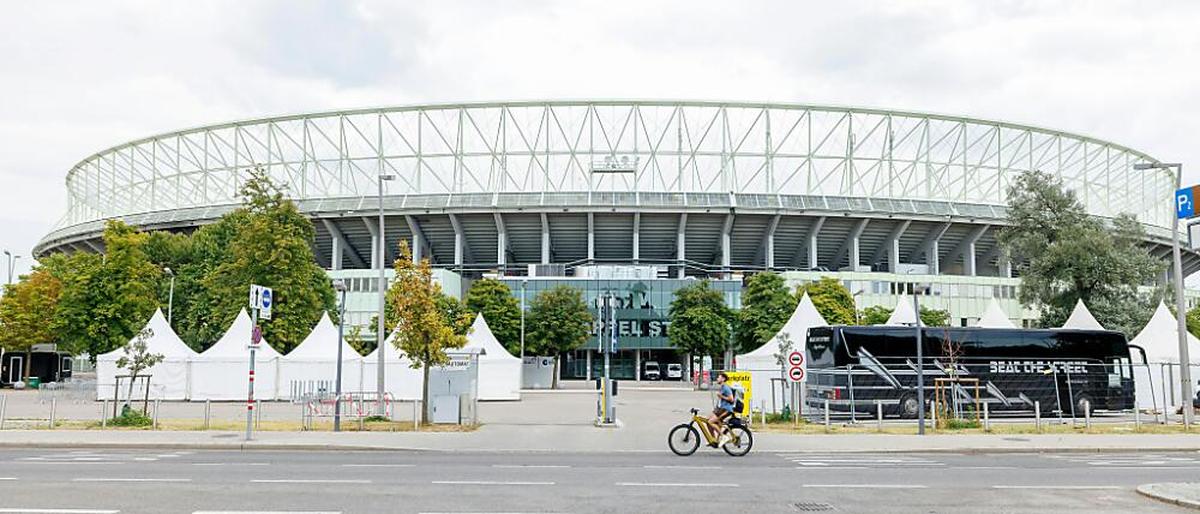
879 414
3 409
1037 416
987 418
104 414
1137 418
1087 414
826 415
416 419
933 417
157 404
763 417
258 408
207 414
53 408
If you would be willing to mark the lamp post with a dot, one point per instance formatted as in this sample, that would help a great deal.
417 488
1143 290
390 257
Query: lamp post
524 283
171 294
340 287
11 262
1185 372
379 335
857 317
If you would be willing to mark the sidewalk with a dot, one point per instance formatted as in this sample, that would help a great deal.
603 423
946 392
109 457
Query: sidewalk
1181 494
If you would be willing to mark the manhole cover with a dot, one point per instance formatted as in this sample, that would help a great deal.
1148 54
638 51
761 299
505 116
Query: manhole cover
812 507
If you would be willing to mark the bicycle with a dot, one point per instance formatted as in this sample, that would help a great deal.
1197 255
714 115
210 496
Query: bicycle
684 439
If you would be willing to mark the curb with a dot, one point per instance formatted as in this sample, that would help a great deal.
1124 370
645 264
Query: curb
1148 490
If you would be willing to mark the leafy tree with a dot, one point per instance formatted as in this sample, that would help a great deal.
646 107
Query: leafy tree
934 317
1065 255
700 321
137 358
453 310
878 315
495 301
559 321
766 307
423 332
831 299
1193 321
106 300
26 312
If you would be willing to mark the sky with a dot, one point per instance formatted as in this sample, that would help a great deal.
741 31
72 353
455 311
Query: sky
78 77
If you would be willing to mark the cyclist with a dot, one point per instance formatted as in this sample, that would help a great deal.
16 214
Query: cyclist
724 408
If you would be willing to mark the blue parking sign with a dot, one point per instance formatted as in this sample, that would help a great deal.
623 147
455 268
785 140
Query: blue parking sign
1185 202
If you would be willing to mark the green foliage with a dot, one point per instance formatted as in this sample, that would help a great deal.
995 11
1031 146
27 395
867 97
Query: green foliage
876 315
558 321
456 313
700 320
831 299
495 301
1193 321
131 417
137 358
106 300
934 317
766 306
1064 255
26 312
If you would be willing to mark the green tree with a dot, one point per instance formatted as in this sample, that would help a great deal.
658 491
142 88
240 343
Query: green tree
456 313
831 299
423 332
878 315
700 321
26 312
1064 255
559 321
137 358
934 317
106 300
267 242
495 301
766 307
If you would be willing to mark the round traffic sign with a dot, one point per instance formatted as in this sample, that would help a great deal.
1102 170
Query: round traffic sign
796 358
796 374
256 336
266 299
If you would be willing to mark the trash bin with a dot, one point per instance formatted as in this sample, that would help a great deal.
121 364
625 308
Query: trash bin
33 382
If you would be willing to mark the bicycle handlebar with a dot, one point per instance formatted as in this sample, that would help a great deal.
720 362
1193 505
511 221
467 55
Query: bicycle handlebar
695 411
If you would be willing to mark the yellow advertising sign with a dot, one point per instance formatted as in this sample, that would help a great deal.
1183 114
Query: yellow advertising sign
741 378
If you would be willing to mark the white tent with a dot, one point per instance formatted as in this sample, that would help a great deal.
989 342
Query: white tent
1159 384
903 314
168 379
994 316
1081 318
312 366
499 371
761 361
220 372
400 380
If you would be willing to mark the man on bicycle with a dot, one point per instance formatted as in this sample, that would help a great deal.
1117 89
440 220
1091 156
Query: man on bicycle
724 408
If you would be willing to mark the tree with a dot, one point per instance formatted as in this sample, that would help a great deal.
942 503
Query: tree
700 321
1064 255
26 313
934 317
831 299
559 321
495 301
766 307
137 358
106 300
453 310
423 333
878 315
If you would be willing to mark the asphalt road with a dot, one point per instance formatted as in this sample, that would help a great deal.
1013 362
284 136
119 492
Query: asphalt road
111 481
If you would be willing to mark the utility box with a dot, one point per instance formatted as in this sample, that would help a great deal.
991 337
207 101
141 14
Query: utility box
537 373
454 389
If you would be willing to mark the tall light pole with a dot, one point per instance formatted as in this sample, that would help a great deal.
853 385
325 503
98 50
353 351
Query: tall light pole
1185 371
524 283
340 287
11 262
170 295
379 335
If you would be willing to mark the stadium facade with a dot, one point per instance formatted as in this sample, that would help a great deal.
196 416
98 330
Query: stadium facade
632 197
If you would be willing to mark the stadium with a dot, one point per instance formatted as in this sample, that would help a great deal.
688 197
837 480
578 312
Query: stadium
632 197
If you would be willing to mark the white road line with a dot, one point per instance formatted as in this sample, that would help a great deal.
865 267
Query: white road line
532 466
491 513
267 512
308 481
864 486
673 484
681 467
834 467
378 465
231 464
57 511
7 478
67 463
486 482
105 479
1051 487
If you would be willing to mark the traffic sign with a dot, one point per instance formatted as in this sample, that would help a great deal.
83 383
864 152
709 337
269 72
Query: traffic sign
796 359
256 336
261 299
796 374
1185 202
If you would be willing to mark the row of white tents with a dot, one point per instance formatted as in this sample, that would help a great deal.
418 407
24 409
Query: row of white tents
1154 379
220 372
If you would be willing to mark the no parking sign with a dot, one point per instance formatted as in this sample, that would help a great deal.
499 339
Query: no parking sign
797 371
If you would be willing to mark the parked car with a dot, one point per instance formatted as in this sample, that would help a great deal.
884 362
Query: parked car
650 371
674 371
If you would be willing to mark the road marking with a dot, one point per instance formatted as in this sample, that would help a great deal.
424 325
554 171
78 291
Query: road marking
865 486
486 482
673 484
102 479
7 478
378 465
681 467
534 466
1068 487
58 511
231 464
308 481
267 512
61 462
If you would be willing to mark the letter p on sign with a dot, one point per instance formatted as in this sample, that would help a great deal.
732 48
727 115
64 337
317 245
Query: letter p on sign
1185 202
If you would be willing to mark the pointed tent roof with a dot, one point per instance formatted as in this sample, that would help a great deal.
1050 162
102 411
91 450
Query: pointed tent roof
994 316
393 354
322 343
804 317
903 314
1081 318
481 338
235 341
164 341
1160 338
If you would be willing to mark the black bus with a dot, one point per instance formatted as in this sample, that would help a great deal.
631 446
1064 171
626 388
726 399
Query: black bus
853 367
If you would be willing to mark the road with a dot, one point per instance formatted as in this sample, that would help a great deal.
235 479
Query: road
112 481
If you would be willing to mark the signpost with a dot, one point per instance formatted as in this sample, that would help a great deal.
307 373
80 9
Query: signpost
797 373
261 299
1185 208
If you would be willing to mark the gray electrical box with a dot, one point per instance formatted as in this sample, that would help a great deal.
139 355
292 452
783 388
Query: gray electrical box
454 389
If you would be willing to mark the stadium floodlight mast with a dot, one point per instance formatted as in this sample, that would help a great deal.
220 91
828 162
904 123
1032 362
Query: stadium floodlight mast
1185 372
379 335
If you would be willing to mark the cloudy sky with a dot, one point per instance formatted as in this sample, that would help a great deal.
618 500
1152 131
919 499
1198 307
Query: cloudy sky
77 77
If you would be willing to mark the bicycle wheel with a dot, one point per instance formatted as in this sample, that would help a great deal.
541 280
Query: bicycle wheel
740 441
683 440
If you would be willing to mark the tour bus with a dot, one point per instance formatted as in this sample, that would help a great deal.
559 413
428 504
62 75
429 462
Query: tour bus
854 367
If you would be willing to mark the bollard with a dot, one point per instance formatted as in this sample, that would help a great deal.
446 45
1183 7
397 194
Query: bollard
416 419
1037 416
1137 418
987 418
3 408
104 414
157 404
207 414
53 408
827 415
258 414
879 414
933 417
763 417
1087 414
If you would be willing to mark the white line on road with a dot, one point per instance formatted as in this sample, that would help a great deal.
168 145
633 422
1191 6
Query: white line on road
534 466
60 462
108 479
1068 487
57 511
673 484
7 478
308 481
865 486
378 465
231 464
681 467
486 482
267 512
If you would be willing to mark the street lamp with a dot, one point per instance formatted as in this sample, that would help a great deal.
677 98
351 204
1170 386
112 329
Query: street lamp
524 283
11 262
340 287
1185 372
171 294
857 317
379 335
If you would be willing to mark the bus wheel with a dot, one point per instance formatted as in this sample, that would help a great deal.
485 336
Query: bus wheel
909 407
